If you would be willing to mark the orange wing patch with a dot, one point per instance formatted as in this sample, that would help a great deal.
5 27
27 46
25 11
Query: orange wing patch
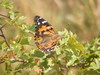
45 36
42 28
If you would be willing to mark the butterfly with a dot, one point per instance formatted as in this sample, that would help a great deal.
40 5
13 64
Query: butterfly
45 36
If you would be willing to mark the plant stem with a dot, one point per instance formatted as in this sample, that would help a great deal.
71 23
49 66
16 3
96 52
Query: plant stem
4 16
2 35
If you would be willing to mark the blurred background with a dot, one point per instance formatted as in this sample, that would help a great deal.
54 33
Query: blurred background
79 16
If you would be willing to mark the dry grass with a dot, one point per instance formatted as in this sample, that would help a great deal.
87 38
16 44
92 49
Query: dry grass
79 16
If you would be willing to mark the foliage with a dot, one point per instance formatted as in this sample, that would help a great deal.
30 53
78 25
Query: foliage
68 54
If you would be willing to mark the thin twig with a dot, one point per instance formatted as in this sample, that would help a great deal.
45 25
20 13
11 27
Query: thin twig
1 62
4 37
31 33
6 58
2 26
42 73
15 60
23 61
1 35
4 16
67 70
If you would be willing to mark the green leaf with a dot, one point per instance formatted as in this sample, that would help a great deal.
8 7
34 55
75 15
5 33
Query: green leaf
64 33
94 44
1 42
72 60
0 24
22 32
7 62
7 4
58 50
20 19
69 73
32 28
50 62
18 52
24 57
95 65
79 46
44 63
24 41
75 45
38 54
12 15
8 66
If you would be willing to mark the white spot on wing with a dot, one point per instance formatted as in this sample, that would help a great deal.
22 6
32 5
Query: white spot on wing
44 22
48 50
40 18
38 23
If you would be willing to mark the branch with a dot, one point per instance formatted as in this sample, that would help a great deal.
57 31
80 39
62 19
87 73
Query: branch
2 35
23 61
4 38
11 60
67 70
4 16
1 62
10 57
2 26
31 33
18 60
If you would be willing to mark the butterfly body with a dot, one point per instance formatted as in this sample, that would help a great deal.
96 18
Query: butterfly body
45 36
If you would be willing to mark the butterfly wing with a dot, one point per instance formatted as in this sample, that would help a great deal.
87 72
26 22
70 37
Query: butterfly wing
45 36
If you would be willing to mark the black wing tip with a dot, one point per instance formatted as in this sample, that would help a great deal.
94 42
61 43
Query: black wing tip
37 16
38 20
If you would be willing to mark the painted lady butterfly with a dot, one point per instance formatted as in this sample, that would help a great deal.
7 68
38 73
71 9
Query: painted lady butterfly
45 36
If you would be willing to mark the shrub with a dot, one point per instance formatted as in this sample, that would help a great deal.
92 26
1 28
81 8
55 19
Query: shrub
69 57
